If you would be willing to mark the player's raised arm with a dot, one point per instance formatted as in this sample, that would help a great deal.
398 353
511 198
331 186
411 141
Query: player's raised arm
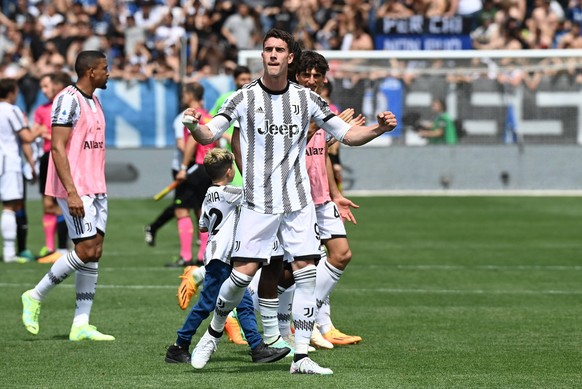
359 135
204 133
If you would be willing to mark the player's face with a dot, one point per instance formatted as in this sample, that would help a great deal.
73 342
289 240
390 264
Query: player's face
276 57
46 86
242 79
100 74
311 79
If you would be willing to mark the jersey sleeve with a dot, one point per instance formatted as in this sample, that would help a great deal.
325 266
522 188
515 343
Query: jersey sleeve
18 119
325 118
65 110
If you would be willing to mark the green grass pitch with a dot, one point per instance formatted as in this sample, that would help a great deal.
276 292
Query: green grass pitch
447 292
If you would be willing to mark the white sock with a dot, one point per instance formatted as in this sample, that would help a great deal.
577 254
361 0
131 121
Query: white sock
60 270
253 289
268 308
198 275
284 312
8 226
304 308
230 295
324 317
327 278
85 285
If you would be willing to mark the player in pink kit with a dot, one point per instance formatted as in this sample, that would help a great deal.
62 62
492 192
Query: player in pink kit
52 219
76 177
330 207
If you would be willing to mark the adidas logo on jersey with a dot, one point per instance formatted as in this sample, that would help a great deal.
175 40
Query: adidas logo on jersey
284 129
260 110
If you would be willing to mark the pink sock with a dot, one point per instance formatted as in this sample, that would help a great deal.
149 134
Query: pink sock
186 234
49 224
203 241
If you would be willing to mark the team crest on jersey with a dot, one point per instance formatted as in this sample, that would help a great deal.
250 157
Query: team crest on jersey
295 108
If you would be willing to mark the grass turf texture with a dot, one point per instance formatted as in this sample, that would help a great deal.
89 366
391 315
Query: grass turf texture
447 292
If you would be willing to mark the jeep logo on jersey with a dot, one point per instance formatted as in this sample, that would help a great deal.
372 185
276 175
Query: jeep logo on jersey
284 129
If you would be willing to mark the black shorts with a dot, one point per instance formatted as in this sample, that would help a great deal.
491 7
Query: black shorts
44 161
190 194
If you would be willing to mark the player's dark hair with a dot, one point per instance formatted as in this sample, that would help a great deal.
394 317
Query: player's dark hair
312 60
195 89
297 51
7 86
240 69
86 60
217 161
280 34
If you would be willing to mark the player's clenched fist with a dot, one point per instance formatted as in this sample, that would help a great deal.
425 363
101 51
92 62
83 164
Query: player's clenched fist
387 119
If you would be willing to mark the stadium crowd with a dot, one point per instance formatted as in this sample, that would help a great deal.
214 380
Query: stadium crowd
145 38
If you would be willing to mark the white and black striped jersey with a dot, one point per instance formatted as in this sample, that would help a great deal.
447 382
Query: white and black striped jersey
66 109
219 215
273 134
12 121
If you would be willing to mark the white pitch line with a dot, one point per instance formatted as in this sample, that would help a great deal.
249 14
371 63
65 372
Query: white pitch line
355 290
461 291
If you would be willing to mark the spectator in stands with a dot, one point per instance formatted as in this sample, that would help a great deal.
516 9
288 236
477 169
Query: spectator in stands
394 9
432 8
542 25
515 9
486 36
571 39
357 36
574 12
49 20
240 29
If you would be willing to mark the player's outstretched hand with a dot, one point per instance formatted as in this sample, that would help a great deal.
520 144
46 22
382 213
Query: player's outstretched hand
387 120
344 206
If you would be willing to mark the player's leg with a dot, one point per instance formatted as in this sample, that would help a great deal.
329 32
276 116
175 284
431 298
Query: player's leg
299 235
260 352
150 230
87 234
216 273
22 228
250 249
49 217
268 297
329 272
11 194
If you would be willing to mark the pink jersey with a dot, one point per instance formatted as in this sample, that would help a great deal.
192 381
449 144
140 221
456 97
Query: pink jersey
42 115
317 168
201 150
85 150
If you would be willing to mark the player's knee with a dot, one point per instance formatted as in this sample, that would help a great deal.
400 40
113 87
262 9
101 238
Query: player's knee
341 259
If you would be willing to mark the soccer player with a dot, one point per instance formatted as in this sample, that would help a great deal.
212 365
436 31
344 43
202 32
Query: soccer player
76 177
13 131
190 192
52 219
220 210
274 117
330 206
